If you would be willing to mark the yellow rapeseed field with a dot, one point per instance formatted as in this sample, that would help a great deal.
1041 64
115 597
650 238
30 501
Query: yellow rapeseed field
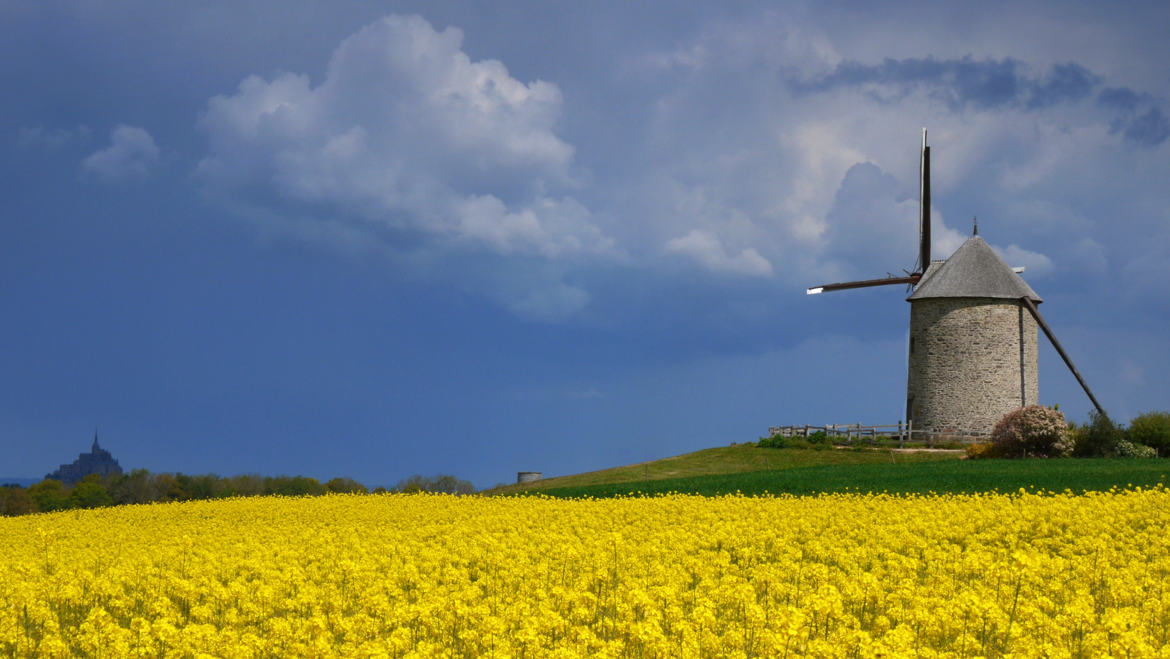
1051 575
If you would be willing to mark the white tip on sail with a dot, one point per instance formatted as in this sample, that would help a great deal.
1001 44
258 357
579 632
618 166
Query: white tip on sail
1018 269
814 291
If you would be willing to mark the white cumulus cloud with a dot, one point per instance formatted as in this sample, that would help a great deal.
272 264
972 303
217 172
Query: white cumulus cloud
407 135
707 249
1036 263
131 155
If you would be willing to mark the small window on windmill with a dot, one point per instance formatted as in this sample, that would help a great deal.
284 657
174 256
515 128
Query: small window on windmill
912 345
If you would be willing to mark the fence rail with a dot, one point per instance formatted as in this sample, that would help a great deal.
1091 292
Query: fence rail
903 432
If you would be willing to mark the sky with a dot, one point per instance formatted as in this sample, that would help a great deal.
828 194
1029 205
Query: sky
375 239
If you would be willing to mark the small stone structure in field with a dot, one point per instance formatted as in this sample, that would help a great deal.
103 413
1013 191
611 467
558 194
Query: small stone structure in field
527 477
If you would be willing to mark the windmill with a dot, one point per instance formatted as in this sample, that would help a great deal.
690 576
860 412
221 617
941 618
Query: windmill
973 351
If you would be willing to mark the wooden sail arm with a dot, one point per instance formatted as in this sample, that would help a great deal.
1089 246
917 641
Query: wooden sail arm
885 281
1031 306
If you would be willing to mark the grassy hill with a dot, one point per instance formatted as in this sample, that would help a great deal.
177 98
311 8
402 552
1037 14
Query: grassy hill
751 470
735 459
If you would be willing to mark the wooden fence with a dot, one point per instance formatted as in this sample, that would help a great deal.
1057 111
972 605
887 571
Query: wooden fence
903 432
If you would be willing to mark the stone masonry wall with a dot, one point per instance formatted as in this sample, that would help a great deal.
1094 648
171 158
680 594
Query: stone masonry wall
966 361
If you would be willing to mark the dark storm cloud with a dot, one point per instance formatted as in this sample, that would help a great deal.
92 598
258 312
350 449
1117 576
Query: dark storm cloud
983 84
1139 119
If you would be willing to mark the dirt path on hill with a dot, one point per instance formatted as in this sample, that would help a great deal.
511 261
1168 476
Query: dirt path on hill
910 450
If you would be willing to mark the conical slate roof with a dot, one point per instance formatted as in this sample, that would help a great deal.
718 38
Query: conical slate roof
974 270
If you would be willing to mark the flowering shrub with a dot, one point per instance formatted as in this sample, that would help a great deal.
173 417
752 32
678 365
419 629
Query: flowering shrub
1035 431
842 575
1128 449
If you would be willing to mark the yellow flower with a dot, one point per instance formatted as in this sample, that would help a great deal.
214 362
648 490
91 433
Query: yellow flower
673 576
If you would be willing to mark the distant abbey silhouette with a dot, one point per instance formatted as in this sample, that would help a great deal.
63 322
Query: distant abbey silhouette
97 461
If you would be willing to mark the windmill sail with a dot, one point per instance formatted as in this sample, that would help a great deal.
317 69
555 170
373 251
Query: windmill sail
924 208
923 236
884 281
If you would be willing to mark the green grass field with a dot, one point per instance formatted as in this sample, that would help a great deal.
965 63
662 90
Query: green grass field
724 460
919 476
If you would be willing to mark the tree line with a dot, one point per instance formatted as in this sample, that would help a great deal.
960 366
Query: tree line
142 486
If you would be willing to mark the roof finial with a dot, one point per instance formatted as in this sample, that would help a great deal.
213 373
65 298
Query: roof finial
974 226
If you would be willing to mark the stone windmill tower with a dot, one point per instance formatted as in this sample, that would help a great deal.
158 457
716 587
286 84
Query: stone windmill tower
973 353
973 348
